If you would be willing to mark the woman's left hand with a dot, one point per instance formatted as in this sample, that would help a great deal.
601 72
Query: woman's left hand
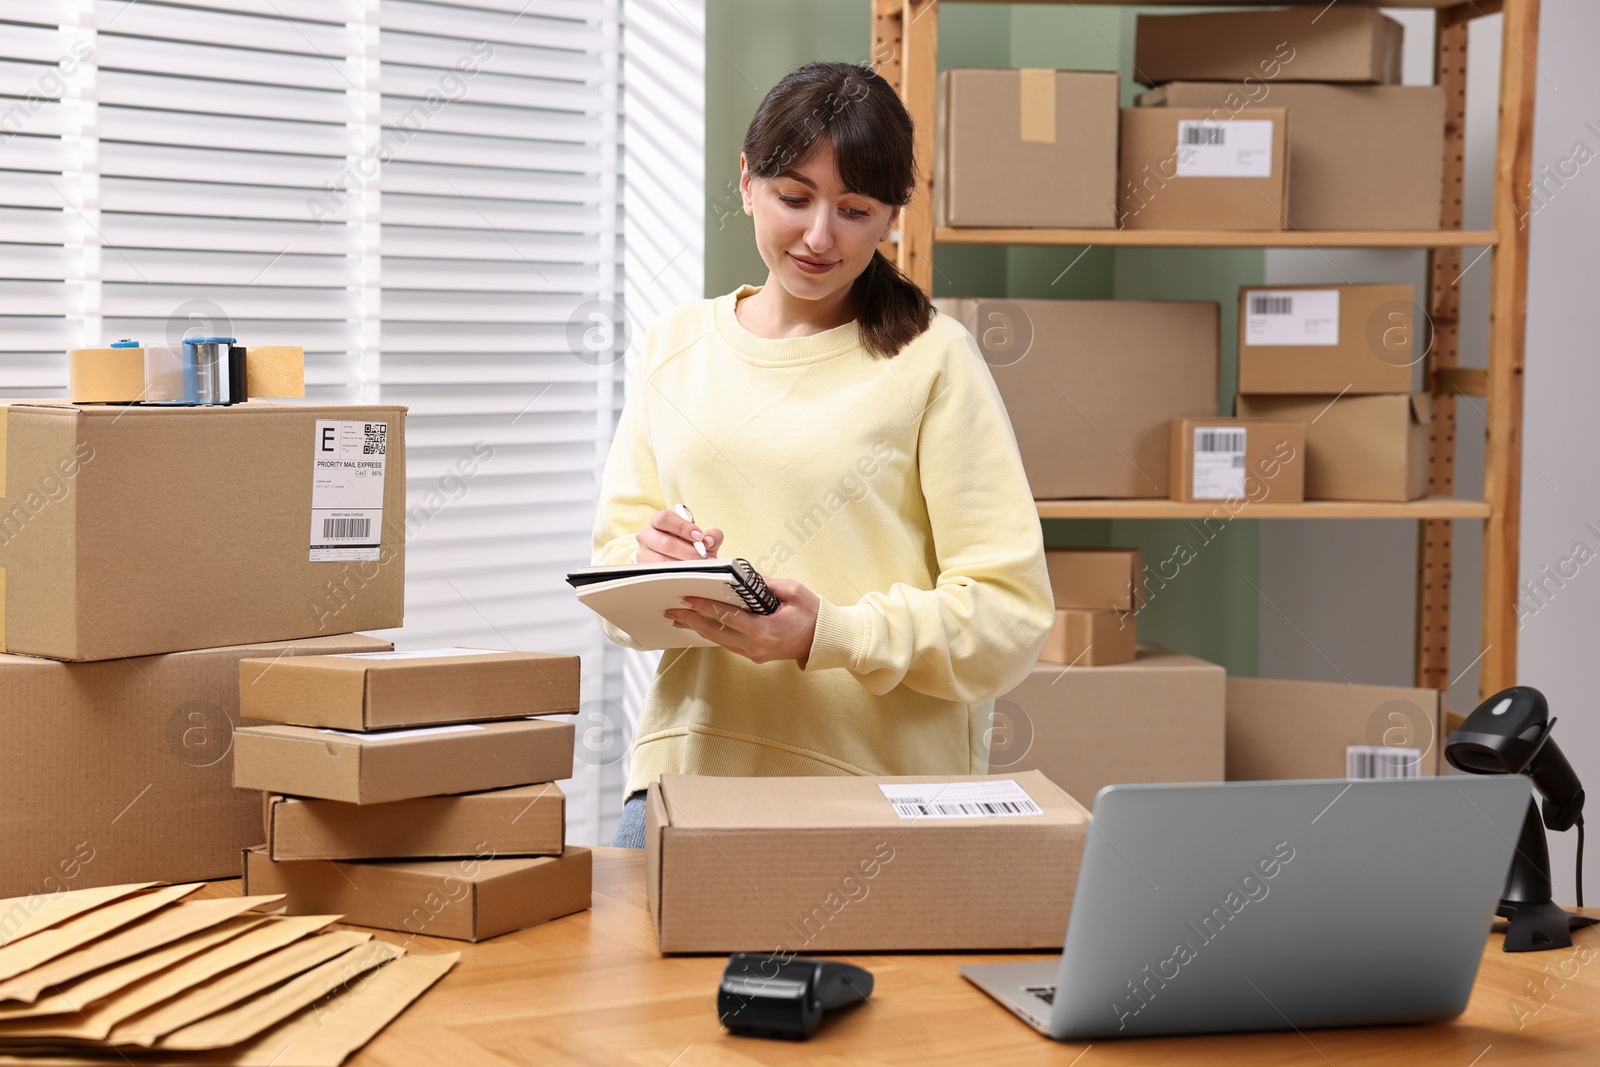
785 634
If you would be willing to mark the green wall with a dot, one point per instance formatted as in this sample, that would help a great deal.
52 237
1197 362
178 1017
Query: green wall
1210 609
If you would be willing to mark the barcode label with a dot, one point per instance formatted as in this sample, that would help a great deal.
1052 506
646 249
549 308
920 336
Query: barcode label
1294 317
345 529
347 467
1380 761
1230 148
961 800
1218 464
1219 441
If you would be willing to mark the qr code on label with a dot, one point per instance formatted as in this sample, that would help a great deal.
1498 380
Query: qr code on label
376 442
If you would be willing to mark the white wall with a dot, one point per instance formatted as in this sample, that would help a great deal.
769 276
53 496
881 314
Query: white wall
1559 639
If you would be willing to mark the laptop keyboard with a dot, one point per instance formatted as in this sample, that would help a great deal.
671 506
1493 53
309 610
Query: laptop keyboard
1046 993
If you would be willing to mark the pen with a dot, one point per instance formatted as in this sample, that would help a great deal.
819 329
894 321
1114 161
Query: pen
682 510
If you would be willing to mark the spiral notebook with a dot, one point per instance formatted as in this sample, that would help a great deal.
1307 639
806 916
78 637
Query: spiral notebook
635 596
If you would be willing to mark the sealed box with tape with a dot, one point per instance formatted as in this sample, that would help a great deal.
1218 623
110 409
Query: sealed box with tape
1026 148
132 530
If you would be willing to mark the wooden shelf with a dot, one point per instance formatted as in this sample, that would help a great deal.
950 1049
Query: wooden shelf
1430 507
972 235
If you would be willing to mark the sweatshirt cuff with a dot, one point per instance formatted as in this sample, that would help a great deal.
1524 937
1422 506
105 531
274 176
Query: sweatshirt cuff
837 642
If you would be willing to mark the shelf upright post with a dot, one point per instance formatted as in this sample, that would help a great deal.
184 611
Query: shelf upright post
919 50
1434 536
1508 313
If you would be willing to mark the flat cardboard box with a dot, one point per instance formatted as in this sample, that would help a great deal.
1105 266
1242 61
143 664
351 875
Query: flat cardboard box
525 820
1026 148
130 530
470 899
1283 729
1363 157
1092 386
375 768
1159 718
1336 43
1182 169
1099 579
808 865
1089 638
427 687
122 771
1332 339
1357 447
1259 460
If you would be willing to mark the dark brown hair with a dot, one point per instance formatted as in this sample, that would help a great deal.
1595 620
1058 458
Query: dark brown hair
870 131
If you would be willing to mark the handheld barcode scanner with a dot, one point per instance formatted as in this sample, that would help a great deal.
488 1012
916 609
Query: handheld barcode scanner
763 997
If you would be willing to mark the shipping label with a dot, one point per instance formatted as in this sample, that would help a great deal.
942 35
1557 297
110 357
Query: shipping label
347 466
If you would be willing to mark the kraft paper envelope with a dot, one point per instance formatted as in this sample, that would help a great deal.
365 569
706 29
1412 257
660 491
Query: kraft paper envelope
135 939
22 916
251 1017
326 1033
96 1021
322 1035
72 996
191 1004
44 946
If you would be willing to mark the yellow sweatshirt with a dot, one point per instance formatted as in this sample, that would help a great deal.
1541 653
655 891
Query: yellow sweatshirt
892 488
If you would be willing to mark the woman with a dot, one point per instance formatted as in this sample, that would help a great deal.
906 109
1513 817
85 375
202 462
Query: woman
851 444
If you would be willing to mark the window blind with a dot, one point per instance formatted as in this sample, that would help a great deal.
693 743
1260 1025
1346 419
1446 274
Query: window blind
426 195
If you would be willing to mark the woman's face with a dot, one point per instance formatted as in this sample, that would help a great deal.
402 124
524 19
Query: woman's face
815 236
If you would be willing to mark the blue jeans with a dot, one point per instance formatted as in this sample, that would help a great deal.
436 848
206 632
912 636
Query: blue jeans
630 828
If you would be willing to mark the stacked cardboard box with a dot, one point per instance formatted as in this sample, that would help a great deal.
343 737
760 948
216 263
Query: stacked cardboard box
1251 460
1340 358
413 791
1098 593
144 552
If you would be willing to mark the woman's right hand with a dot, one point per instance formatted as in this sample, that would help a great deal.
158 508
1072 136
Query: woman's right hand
670 536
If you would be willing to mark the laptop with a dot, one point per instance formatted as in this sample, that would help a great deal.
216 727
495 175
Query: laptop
1243 906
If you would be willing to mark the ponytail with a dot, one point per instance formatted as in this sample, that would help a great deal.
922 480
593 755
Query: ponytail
891 310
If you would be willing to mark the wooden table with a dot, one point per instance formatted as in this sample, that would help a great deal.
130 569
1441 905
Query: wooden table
591 989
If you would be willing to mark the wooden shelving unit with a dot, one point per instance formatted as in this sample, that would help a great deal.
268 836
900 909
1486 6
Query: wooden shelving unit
905 48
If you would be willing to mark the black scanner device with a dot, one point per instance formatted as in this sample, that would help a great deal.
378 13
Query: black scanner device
762 995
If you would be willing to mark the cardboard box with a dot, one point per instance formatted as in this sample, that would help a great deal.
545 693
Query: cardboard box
471 899
1026 148
1337 43
134 530
809 865
1099 579
1092 386
423 688
1363 157
375 768
1327 339
1182 169
1159 718
527 820
122 771
1258 460
1089 638
1282 729
1357 447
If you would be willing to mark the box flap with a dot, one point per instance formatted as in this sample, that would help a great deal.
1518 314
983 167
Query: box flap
1421 408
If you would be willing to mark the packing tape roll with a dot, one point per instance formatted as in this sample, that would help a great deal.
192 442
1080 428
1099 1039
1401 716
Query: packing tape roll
274 370
1037 96
105 375
117 375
